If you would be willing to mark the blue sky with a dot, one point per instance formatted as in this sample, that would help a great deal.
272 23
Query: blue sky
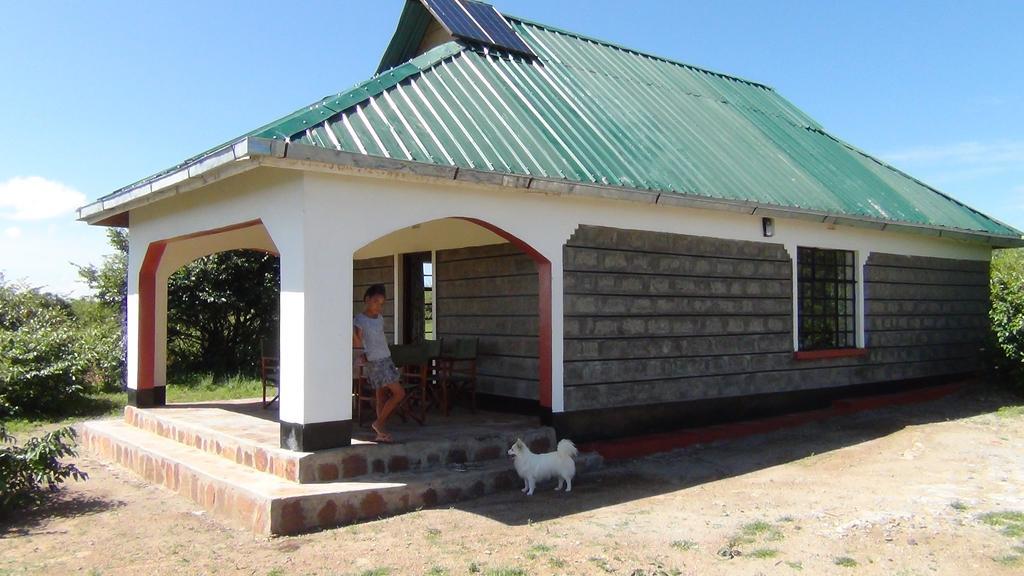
97 95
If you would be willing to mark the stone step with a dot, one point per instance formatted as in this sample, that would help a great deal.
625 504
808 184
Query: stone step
242 446
471 447
233 444
268 504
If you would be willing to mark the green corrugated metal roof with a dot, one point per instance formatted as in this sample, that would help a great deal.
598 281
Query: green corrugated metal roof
592 112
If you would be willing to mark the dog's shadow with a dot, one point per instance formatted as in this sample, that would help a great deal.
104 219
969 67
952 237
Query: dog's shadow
628 480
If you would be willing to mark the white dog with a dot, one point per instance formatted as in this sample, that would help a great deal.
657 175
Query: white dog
539 467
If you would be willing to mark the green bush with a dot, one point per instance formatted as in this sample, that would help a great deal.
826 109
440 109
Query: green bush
100 342
1007 315
29 472
41 366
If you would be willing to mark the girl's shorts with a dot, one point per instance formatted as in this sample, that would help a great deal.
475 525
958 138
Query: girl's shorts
380 373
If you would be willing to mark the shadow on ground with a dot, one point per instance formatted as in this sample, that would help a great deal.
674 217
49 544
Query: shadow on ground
61 504
623 481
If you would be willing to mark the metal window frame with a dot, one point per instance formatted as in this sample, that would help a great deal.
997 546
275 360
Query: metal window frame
820 271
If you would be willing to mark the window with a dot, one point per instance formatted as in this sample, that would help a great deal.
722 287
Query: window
826 309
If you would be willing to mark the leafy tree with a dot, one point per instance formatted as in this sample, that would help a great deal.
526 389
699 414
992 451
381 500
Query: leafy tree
1007 313
220 307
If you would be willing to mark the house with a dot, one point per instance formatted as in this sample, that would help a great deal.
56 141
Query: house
638 243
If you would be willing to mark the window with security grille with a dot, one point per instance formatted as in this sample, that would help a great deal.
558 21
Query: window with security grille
827 287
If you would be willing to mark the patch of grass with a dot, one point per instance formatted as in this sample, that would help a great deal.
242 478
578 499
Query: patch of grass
506 572
375 572
764 553
959 506
556 562
437 571
88 407
203 387
1011 522
601 563
433 535
786 519
537 550
1010 560
754 531
276 572
196 388
844 561
795 565
767 530
474 568
684 545
1011 411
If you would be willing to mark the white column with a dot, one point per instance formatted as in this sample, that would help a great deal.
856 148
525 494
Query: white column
316 333
136 252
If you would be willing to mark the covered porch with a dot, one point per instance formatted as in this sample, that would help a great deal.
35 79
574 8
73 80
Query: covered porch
492 278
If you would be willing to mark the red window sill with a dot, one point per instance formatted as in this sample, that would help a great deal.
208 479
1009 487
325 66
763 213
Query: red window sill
836 353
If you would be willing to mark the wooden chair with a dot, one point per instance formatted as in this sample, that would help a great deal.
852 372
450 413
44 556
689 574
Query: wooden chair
414 369
363 394
270 371
457 371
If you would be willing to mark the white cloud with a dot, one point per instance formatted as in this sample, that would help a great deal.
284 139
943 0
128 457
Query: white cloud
36 198
1006 153
13 232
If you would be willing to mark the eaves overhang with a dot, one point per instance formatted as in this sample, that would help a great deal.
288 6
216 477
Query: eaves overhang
252 152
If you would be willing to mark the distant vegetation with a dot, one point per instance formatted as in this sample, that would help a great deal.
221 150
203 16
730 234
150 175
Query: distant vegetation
1007 315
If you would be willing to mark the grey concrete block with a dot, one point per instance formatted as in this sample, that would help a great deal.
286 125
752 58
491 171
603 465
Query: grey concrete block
678 347
612 261
601 305
922 262
634 285
475 252
641 240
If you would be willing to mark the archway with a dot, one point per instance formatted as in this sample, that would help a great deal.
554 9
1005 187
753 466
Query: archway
487 284
162 259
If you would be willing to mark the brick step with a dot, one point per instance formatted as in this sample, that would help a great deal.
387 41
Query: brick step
267 504
243 446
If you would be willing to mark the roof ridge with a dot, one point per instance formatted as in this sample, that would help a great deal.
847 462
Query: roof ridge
639 52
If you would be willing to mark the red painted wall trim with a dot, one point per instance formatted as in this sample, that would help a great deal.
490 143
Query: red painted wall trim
638 446
147 314
835 353
543 306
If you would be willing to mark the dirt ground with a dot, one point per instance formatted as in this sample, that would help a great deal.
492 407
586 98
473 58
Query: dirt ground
902 491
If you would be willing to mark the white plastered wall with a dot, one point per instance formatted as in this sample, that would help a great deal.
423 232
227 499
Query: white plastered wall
319 220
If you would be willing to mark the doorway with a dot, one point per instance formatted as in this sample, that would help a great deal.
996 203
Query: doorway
417 297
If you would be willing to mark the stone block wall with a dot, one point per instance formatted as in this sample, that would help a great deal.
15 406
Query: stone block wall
925 316
372 271
490 293
662 319
653 318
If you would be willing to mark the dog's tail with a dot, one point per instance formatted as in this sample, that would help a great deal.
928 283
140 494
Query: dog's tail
566 448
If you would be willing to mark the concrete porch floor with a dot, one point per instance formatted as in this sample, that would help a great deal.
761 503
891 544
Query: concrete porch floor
249 420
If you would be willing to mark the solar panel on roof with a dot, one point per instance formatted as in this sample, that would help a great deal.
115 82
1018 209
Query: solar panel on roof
495 26
478 22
